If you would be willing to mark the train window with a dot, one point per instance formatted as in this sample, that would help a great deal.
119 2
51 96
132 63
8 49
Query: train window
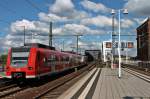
19 59
52 58
45 61
64 58
67 58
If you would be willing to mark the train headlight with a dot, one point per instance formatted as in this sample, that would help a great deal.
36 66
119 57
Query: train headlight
7 68
30 68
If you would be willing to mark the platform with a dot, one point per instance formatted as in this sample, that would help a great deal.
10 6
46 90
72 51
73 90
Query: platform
109 86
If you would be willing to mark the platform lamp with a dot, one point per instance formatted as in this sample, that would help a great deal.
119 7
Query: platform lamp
125 11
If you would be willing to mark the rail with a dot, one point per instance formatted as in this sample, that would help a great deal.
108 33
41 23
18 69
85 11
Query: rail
41 91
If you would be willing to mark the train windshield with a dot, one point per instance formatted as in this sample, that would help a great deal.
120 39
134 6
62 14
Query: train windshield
19 57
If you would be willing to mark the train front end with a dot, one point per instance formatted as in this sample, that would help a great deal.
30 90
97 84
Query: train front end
19 64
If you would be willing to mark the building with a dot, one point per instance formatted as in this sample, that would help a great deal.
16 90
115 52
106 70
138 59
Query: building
93 55
143 41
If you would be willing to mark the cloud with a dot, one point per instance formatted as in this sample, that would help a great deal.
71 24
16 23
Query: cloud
18 25
35 31
67 21
140 21
51 17
104 21
96 7
86 45
80 29
127 23
32 26
41 27
66 8
62 6
73 29
139 7
100 21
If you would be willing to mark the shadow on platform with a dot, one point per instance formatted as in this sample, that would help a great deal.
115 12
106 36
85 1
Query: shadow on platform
135 97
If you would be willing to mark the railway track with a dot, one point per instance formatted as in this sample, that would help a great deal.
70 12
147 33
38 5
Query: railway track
10 91
138 69
53 89
137 74
53 93
7 87
5 83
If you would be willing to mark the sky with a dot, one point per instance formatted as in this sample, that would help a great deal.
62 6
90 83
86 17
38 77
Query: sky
90 18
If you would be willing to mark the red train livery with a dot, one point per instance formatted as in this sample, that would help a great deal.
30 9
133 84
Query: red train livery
35 60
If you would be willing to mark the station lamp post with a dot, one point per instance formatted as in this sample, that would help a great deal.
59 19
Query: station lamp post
119 31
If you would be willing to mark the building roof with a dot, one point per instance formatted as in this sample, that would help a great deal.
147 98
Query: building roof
148 19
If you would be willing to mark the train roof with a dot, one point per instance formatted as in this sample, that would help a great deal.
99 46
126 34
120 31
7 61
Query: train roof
38 45
71 52
27 47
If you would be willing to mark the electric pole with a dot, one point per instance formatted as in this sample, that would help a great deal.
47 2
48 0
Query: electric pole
77 38
50 34
63 45
77 43
24 35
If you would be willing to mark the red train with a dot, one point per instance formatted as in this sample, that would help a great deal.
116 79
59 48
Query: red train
36 60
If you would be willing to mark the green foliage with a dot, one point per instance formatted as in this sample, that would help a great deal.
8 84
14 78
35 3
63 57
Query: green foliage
3 59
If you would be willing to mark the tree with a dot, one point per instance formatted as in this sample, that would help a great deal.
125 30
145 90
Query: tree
3 59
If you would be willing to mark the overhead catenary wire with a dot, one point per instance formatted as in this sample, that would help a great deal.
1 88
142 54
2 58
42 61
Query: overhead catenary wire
8 9
34 5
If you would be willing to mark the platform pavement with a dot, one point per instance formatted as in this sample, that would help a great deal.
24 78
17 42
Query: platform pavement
109 86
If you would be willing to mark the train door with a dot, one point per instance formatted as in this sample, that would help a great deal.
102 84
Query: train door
50 62
57 62
53 62
38 62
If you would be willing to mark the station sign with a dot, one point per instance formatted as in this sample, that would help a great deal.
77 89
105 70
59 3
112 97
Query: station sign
123 44
108 45
130 44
